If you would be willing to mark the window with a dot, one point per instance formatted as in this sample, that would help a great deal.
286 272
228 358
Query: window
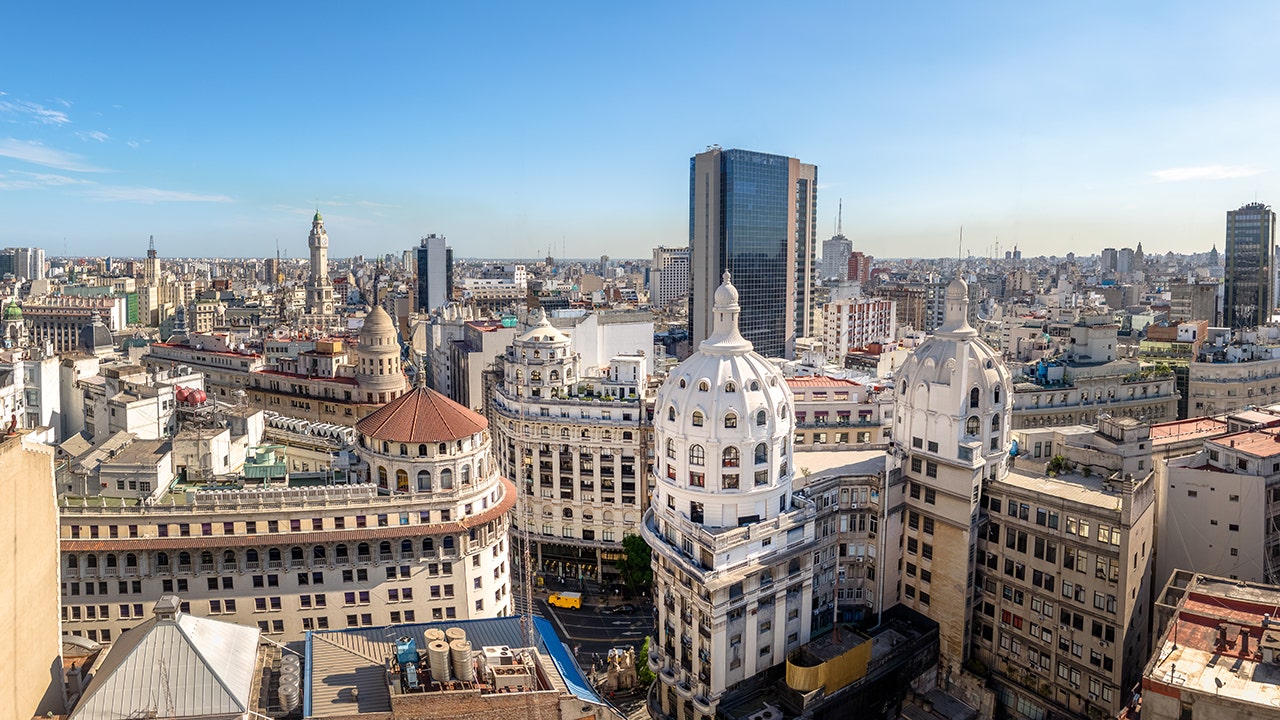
731 420
697 456
974 397
698 418
972 425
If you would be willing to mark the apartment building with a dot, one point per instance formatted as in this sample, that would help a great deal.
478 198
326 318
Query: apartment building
1064 578
841 413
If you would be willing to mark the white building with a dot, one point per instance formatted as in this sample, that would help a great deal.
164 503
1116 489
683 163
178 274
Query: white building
732 547
670 276
319 289
851 321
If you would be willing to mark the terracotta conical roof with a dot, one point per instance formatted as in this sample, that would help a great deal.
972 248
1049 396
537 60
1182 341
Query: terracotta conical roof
419 416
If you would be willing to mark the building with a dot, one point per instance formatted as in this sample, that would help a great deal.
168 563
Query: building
1189 302
1065 561
495 669
1224 379
26 263
319 288
836 252
433 274
670 276
417 525
859 267
29 625
577 446
732 544
1216 652
1250 266
177 665
1220 508
58 321
951 423
755 215
839 413
909 302
853 322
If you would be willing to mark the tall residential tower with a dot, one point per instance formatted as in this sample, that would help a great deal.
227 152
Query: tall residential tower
755 215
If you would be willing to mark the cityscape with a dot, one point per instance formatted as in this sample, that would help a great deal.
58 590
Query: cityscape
998 436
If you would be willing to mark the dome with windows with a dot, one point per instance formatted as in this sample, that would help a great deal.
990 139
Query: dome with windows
723 422
378 367
954 390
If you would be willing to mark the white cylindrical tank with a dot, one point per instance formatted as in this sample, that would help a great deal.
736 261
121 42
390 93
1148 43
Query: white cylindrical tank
438 658
460 651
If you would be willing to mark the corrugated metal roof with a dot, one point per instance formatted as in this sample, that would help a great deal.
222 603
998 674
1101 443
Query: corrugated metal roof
186 667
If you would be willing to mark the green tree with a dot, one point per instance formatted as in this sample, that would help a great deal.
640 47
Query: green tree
636 565
643 673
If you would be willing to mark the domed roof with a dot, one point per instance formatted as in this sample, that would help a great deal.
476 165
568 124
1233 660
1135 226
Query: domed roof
95 337
12 311
541 330
377 324
421 415
317 218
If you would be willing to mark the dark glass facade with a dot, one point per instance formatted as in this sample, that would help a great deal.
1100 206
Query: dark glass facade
434 282
1250 266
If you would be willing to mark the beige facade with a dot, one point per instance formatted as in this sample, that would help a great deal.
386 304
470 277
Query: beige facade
838 413
30 633
1119 389
1221 387
578 448
1065 572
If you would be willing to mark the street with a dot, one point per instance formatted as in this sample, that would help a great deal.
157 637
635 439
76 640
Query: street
590 632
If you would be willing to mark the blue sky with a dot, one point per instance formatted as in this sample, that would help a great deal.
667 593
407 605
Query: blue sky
513 127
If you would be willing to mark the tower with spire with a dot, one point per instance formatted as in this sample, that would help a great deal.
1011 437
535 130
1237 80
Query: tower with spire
836 251
319 289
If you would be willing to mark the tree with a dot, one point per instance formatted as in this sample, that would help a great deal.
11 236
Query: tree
636 565
643 673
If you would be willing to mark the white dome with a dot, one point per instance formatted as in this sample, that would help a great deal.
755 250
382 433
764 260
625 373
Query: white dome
541 330
723 423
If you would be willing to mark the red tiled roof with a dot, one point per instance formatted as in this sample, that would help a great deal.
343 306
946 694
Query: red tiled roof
820 381
422 415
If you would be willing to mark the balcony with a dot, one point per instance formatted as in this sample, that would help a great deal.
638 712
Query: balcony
655 662
702 703
186 569
206 567
684 689
668 675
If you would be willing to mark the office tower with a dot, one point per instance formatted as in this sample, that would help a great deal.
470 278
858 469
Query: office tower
731 601
669 279
433 274
950 435
754 215
30 262
151 267
7 266
1250 248
1110 258
319 289
836 251
1124 261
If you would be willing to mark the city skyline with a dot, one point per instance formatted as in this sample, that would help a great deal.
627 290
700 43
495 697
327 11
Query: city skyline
526 133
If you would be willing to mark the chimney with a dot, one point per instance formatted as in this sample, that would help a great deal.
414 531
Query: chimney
1244 641
1222 638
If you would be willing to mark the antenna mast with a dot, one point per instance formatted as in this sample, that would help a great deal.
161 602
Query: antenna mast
840 218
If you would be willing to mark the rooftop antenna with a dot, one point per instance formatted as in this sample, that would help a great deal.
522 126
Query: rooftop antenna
960 246
151 243
840 218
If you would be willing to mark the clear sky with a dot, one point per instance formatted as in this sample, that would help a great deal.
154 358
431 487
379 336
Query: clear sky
513 128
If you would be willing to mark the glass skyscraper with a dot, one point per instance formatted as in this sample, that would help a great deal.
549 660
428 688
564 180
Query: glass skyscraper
754 214
1249 297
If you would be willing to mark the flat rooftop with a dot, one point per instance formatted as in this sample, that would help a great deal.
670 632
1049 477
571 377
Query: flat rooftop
1258 443
1184 430
837 462
1074 487
1188 657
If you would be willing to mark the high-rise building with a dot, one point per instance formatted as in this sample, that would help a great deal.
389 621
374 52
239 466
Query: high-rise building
1250 265
852 321
835 253
950 436
434 273
755 215
669 279
1110 259
732 563
859 267
319 289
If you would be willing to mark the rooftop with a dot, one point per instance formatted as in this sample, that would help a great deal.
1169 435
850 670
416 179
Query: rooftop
1074 487
1183 430
1258 443
1191 657
422 415
820 381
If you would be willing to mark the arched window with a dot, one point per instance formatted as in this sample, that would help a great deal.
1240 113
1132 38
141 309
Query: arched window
206 558
671 448
422 450
340 553
974 396
406 548
251 555
697 456
972 425
428 546
273 555
555 375
762 454
382 477
731 420
995 423
730 457
683 384
995 394
697 418
404 449
184 558
318 553
564 432
424 481
730 386
671 413
446 479
384 549
131 560
163 558
761 418
73 562
447 543
444 448
466 474
111 560
755 386
704 386
386 447
567 513
402 481
295 553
